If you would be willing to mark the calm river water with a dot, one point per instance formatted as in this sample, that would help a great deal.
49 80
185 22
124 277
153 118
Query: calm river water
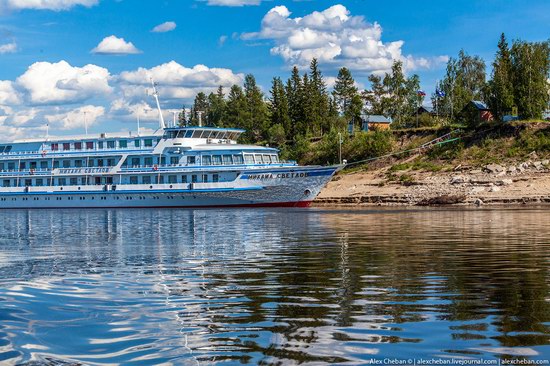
197 287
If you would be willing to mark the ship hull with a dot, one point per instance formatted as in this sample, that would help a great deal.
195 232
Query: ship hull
284 187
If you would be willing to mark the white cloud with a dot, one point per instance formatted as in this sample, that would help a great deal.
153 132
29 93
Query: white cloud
8 94
221 40
57 83
113 45
177 81
233 2
56 5
334 37
47 92
164 27
8 48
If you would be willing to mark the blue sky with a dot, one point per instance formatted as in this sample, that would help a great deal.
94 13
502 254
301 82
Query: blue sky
61 58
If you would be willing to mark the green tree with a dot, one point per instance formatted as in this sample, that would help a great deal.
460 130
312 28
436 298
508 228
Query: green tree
217 107
278 107
319 99
376 97
401 98
237 112
531 72
182 117
294 92
344 91
463 82
258 121
200 106
501 86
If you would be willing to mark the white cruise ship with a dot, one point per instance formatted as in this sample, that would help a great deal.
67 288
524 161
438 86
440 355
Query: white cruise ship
175 167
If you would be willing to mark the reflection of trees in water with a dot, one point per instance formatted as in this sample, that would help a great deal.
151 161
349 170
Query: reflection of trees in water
278 285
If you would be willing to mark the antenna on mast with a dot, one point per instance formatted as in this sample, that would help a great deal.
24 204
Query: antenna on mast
156 95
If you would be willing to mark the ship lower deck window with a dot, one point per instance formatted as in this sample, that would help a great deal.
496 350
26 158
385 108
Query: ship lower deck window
184 178
205 178
215 178
249 158
74 181
146 179
237 159
6 183
61 182
133 180
39 182
172 179
227 159
216 160
259 159
194 178
148 161
66 163
43 165
267 159
28 182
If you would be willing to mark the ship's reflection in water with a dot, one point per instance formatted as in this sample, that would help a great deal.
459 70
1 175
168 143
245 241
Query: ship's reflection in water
272 286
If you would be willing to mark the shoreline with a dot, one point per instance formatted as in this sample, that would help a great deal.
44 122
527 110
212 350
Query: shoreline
526 183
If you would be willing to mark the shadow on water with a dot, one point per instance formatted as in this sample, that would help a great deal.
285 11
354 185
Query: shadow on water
272 286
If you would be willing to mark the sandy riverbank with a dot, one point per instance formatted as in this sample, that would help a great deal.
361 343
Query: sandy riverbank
523 183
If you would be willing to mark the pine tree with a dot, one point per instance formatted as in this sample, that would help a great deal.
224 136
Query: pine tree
200 106
344 90
237 113
319 99
294 94
501 86
216 109
182 117
258 122
278 107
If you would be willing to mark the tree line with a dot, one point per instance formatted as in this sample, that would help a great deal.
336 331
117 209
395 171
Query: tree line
302 108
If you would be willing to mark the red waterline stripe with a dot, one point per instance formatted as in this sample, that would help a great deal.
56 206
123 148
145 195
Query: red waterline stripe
250 205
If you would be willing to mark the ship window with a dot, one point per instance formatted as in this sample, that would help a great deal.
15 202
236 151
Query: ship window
188 134
66 146
197 134
206 160
227 160
184 178
32 165
215 178
148 161
216 160
172 179
238 159
28 182
43 165
78 163
39 182
55 147
8 149
159 179
259 159
146 179
74 181
2 149
99 162
22 165
274 158
267 159
148 142
174 160
194 178
100 144
249 158
66 163
205 177
110 144
162 160
135 161
137 143
56 164
89 145
123 144
1 166
6 183
78 145
62 181
191 160
110 162
133 179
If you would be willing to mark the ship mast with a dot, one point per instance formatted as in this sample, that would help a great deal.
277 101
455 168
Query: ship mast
156 95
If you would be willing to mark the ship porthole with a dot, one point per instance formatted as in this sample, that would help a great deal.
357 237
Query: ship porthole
150 187
171 186
307 192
